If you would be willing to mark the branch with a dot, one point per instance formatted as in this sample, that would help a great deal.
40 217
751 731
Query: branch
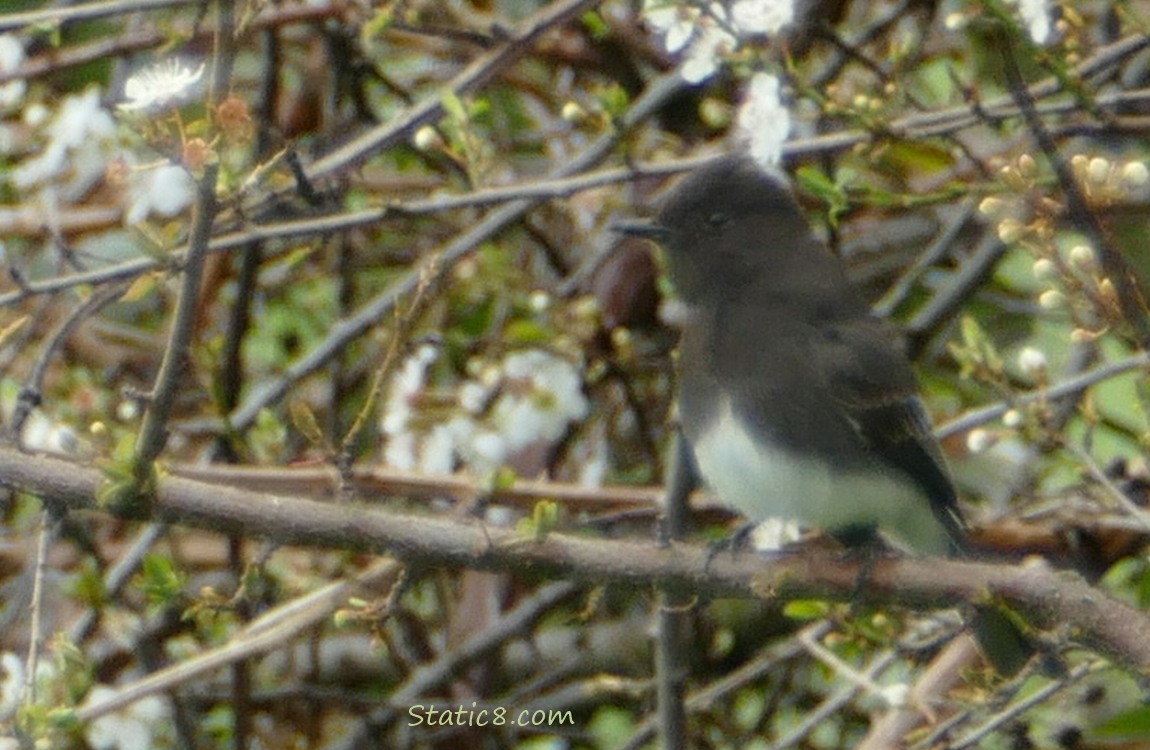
153 429
56 15
1045 595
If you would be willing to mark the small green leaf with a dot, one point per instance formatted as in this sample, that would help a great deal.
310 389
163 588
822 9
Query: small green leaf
87 586
832 193
596 25
303 419
613 99
454 108
806 609
160 581
976 353
544 518
520 332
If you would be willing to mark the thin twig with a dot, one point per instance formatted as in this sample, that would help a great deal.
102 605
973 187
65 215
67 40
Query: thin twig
1070 387
48 525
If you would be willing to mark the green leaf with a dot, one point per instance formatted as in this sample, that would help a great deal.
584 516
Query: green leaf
613 99
544 518
596 25
818 183
832 193
806 609
454 108
87 586
917 157
160 581
303 419
976 353
520 332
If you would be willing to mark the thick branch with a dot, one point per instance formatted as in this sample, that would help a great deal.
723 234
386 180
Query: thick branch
1048 596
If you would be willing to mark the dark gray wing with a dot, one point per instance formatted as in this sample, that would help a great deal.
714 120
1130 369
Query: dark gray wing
872 382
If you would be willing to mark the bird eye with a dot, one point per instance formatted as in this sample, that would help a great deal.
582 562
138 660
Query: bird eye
718 220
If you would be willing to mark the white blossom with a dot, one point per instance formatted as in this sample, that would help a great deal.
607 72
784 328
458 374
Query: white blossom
709 33
486 452
437 453
1135 174
1082 257
11 684
709 45
401 447
979 440
547 399
1032 360
399 451
763 121
426 138
473 396
71 157
1035 14
134 726
528 397
1098 170
160 86
43 435
675 21
1044 269
165 191
762 16
405 386
896 696
11 56
1051 299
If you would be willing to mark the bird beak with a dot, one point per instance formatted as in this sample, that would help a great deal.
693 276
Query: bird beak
645 228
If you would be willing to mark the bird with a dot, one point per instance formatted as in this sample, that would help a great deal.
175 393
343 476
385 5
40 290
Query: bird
795 399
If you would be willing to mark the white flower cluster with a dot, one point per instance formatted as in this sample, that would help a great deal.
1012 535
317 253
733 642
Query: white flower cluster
706 31
528 397
139 724
763 121
79 143
75 155
161 86
163 190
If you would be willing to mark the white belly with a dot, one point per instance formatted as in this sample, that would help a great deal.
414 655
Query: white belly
766 483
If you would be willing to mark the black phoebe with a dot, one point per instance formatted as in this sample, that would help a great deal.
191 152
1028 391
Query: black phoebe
796 400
